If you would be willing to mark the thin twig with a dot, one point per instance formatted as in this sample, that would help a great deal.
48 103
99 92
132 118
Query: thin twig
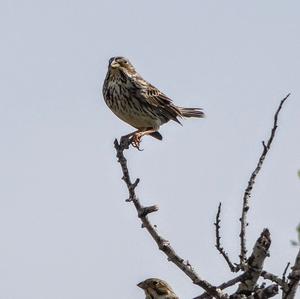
248 190
218 241
163 244
284 272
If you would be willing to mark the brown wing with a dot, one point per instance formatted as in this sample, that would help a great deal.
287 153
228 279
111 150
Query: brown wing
155 98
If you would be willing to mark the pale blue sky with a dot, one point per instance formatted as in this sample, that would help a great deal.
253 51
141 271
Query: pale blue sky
65 229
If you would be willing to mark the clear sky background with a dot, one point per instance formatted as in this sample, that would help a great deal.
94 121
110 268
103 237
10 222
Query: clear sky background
66 231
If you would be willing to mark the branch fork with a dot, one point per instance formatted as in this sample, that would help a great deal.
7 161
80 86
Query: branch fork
162 243
251 267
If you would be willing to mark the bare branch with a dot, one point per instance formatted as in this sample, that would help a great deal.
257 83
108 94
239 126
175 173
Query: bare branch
163 244
224 285
265 293
255 263
264 274
294 279
248 190
273 278
218 241
285 271
147 210
252 267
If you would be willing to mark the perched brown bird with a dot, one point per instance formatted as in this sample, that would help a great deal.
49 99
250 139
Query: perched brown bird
155 288
137 102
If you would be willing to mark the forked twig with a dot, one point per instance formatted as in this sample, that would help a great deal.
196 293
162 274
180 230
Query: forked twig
163 244
224 285
248 190
252 267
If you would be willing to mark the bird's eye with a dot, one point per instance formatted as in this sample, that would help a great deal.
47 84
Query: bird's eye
155 282
125 61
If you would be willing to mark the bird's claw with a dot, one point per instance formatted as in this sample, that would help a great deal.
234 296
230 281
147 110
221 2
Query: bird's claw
136 141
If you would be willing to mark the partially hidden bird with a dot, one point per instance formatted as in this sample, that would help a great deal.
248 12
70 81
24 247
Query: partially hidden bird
156 288
138 103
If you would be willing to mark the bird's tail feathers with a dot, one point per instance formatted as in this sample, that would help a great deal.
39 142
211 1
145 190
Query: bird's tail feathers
156 135
191 112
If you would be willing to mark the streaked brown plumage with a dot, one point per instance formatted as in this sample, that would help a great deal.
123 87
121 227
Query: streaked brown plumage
139 103
156 288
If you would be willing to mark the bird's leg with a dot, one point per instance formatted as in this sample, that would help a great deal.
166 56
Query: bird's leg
137 137
135 140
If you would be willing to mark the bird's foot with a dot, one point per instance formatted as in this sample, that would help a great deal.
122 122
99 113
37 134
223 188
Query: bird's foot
136 141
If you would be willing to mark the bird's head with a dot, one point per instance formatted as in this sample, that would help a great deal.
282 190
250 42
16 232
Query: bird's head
157 289
119 63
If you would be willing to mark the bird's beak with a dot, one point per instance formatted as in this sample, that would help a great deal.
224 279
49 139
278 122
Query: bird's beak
114 64
141 285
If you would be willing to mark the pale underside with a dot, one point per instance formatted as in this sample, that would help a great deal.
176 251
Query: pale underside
139 118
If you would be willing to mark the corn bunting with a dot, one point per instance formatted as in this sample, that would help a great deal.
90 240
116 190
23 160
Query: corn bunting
138 103
155 288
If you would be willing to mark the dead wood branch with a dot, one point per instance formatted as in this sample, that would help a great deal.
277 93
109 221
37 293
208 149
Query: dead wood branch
218 245
224 285
269 276
248 190
163 244
252 267
255 263
265 293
